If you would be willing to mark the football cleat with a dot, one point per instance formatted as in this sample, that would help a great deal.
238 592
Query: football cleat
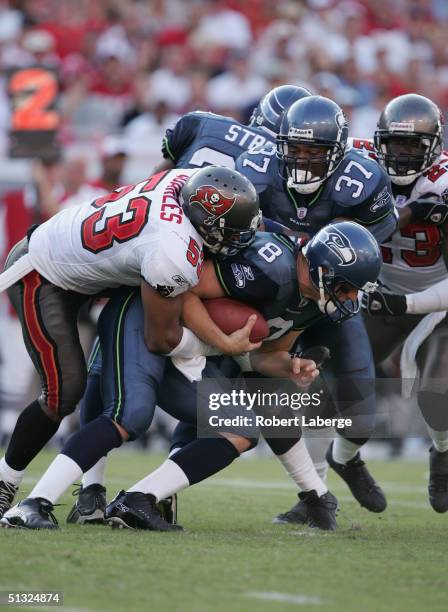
298 515
137 511
168 509
360 482
321 510
7 494
31 513
90 505
438 480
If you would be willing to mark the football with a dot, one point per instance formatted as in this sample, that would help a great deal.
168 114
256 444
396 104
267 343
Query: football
230 315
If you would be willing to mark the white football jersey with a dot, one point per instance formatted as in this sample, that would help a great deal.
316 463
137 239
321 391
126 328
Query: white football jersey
137 231
413 256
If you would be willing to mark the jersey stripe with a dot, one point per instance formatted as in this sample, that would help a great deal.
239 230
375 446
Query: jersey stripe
220 277
47 351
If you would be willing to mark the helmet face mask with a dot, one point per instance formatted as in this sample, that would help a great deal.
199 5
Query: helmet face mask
307 165
311 143
409 137
227 240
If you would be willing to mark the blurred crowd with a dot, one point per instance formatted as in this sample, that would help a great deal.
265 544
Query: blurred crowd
129 68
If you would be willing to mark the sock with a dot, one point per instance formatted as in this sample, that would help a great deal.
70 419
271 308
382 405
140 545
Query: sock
204 457
61 473
344 450
298 465
168 479
32 431
191 464
317 448
96 474
7 474
439 439
92 442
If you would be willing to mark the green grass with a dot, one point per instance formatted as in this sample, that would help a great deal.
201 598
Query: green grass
390 562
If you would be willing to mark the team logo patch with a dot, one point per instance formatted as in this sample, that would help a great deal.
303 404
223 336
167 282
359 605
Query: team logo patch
302 212
212 201
248 273
238 273
180 280
381 199
340 245
242 273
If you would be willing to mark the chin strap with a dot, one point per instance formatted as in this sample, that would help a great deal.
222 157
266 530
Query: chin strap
325 305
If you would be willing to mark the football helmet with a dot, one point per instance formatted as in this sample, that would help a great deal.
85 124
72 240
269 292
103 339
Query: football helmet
268 113
408 137
311 142
223 206
344 254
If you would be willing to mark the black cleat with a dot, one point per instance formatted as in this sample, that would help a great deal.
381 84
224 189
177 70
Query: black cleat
438 480
360 482
7 494
31 513
168 509
321 510
137 511
89 507
297 515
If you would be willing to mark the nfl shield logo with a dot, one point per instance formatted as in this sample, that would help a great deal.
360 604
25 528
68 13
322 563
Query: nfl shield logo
302 212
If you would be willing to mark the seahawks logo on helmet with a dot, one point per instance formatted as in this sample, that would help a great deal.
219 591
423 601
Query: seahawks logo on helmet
340 245
213 201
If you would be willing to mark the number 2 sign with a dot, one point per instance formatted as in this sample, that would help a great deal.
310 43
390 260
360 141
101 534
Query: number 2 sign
35 118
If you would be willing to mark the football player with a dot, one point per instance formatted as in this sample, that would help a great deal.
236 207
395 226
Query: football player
300 288
200 139
138 235
408 143
304 182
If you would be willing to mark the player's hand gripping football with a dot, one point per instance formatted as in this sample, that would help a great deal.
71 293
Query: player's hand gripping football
238 342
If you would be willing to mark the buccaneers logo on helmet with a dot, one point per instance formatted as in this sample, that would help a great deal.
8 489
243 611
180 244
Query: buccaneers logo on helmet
213 201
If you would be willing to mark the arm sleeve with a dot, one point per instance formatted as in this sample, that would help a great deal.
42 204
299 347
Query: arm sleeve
433 299
166 269
180 136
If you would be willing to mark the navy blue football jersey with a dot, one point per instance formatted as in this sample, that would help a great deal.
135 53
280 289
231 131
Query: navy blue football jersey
264 275
358 190
202 139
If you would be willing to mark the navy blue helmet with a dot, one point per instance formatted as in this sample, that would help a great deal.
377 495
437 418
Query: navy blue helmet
268 113
223 206
343 255
311 142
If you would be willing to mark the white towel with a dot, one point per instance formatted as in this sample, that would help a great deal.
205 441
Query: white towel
408 365
190 367
18 270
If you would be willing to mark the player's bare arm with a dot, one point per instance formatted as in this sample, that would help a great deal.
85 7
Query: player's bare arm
163 330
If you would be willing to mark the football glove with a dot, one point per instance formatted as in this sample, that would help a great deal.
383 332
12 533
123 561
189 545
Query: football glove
384 304
429 207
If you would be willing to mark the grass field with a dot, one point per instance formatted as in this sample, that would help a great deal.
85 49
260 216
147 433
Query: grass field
231 558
